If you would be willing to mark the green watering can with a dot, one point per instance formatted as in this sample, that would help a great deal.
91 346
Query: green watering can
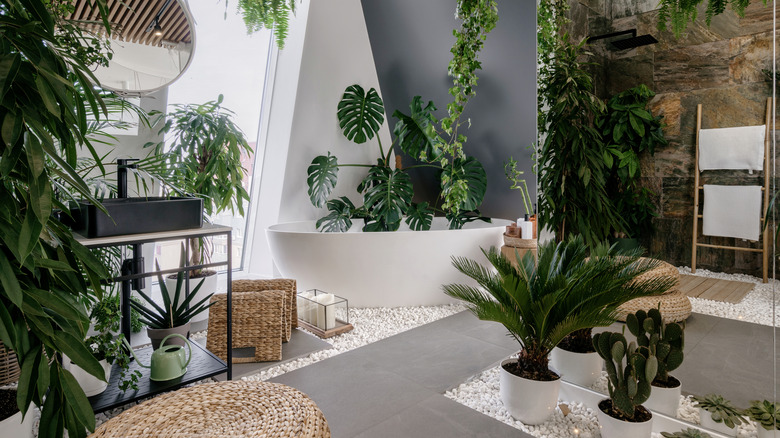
168 362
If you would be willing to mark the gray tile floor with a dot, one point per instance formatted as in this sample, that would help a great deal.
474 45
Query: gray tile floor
393 388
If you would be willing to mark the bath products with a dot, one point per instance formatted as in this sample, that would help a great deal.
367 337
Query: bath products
527 228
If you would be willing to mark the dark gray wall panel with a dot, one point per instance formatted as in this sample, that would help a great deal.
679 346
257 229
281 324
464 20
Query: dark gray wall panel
411 41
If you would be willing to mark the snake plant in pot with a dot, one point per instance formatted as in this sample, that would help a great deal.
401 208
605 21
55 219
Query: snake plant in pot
666 342
541 303
174 315
630 369
719 414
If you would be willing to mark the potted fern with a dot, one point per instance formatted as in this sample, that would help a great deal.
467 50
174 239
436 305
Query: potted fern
541 303
630 369
767 417
718 414
666 342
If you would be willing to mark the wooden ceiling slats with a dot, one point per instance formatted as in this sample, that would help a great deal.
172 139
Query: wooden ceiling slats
131 18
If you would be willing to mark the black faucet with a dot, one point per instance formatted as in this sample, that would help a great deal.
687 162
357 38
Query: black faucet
122 164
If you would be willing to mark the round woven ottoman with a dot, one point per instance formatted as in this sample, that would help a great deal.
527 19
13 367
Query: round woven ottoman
222 409
675 305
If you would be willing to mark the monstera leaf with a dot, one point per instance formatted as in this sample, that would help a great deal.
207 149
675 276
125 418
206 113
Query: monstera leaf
339 219
360 114
471 171
389 195
415 132
322 176
419 217
461 218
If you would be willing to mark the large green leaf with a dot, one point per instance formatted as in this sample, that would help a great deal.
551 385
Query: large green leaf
415 132
340 217
77 400
471 171
419 216
389 195
322 177
360 114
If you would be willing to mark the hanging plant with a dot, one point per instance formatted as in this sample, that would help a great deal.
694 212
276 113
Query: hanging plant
678 13
268 14
478 17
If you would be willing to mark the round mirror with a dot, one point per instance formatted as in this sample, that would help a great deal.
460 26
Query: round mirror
152 43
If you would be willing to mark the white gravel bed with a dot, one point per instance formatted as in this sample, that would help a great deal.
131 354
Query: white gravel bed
755 307
481 394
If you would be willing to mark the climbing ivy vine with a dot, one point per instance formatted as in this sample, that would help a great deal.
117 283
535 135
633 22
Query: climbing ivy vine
478 17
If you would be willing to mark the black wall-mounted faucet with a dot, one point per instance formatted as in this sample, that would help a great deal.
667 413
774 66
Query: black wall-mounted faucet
122 164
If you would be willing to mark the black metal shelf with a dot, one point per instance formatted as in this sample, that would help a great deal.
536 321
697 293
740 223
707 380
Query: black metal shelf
203 364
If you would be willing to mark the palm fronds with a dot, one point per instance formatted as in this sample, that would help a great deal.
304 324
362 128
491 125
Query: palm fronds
540 304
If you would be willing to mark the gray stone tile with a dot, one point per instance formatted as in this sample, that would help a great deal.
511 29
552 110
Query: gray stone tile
439 416
434 356
354 394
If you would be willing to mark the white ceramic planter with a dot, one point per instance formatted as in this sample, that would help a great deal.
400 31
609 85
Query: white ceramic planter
578 368
209 287
529 401
89 383
707 421
763 433
614 428
664 400
16 427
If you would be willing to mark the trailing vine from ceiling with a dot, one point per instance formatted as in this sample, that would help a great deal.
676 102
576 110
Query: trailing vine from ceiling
267 14
678 13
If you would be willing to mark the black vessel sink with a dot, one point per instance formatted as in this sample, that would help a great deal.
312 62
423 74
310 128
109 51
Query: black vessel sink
137 215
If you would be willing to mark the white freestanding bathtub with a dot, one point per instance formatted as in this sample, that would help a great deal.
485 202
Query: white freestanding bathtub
380 269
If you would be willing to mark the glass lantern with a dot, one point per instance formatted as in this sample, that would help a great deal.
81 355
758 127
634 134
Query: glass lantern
322 310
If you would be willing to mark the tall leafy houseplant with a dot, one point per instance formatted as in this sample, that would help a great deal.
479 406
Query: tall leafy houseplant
387 192
205 160
572 176
630 130
45 275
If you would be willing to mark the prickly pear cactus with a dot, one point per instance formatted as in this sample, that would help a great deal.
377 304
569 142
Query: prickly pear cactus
665 341
630 369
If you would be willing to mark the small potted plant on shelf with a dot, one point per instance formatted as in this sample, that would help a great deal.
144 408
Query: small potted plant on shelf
686 433
718 414
767 417
205 159
541 303
630 369
169 318
666 342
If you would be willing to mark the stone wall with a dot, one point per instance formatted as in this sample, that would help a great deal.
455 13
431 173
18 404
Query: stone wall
719 67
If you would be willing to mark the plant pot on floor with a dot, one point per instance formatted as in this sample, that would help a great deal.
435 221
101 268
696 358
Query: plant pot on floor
89 383
707 421
529 401
209 280
612 427
665 400
157 335
763 433
581 369
13 425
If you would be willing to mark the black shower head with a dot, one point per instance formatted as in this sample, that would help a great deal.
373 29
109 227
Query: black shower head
630 43
626 43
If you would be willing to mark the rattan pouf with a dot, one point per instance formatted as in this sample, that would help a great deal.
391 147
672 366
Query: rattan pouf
663 269
222 409
675 306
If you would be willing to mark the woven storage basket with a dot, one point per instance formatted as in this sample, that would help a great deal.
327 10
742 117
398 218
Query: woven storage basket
258 319
286 284
222 409
675 306
516 242
9 366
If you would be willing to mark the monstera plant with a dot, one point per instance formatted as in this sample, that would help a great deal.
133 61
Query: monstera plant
387 191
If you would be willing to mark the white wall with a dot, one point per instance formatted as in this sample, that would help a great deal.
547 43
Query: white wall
327 50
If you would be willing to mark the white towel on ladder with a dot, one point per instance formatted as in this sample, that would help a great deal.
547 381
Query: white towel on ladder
732 211
741 147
